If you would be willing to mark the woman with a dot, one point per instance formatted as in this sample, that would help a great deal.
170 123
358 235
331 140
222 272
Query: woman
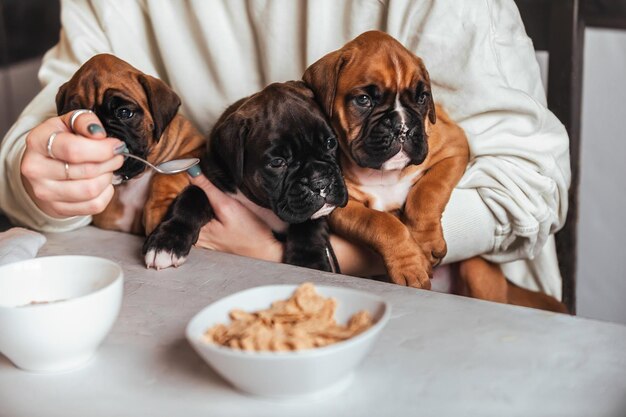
509 202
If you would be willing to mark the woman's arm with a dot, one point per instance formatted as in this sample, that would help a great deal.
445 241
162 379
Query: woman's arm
356 260
238 231
81 37
483 68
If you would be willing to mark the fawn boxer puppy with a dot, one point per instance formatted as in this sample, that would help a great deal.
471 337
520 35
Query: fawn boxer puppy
274 152
401 154
142 111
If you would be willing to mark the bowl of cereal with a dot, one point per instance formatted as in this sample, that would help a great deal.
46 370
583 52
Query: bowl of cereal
288 341
55 311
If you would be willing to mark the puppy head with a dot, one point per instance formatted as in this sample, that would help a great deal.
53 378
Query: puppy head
281 153
378 96
132 106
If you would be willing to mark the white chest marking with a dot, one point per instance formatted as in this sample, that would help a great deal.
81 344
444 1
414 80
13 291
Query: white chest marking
387 189
265 214
397 162
324 211
133 196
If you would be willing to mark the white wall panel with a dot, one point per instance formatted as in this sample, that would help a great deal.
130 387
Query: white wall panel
601 290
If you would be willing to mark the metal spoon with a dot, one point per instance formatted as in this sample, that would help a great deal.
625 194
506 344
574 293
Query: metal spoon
174 166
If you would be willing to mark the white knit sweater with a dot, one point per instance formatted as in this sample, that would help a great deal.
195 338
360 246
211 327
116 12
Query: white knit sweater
482 65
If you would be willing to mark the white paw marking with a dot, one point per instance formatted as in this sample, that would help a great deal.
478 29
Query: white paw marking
162 259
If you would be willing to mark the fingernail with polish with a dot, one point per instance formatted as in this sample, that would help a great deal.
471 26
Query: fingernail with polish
120 149
95 128
194 171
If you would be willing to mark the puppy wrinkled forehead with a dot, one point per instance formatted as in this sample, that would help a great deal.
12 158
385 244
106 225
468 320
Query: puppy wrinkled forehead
282 106
372 55
100 79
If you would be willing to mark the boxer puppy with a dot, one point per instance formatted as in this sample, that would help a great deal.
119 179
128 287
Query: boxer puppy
142 111
479 278
274 152
401 154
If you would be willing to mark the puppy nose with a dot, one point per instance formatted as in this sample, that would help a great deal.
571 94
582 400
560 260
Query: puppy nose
395 123
400 129
316 184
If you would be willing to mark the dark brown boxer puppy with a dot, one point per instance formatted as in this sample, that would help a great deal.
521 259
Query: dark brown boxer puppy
274 152
141 111
401 154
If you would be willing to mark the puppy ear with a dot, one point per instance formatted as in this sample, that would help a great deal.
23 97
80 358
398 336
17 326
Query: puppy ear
63 102
227 141
60 99
163 103
301 88
322 77
432 115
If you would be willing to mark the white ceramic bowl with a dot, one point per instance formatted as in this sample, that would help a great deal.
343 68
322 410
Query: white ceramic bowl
289 375
77 299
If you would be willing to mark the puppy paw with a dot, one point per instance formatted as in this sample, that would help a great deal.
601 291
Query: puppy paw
410 268
162 259
309 259
435 251
432 243
168 245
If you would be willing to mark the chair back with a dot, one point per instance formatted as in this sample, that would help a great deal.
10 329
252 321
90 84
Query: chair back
556 26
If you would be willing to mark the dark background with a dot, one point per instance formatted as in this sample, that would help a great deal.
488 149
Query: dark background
27 28
605 13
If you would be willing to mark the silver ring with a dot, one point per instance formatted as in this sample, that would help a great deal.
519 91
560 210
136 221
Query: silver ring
67 171
51 139
75 116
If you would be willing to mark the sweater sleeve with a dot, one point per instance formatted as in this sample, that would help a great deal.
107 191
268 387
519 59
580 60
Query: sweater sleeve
517 182
80 38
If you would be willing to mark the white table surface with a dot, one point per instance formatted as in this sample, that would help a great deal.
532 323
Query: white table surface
440 355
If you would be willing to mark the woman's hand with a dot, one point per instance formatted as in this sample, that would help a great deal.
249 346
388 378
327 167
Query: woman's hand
236 229
69 173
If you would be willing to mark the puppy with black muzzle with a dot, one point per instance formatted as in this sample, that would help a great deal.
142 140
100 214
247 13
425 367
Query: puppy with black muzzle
276 153
401 154
142 111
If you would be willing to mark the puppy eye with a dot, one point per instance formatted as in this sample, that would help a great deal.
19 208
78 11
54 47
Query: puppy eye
363 100
331 143
124 113
421 99
277 163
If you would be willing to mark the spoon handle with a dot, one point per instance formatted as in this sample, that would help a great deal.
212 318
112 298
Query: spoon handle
130 155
